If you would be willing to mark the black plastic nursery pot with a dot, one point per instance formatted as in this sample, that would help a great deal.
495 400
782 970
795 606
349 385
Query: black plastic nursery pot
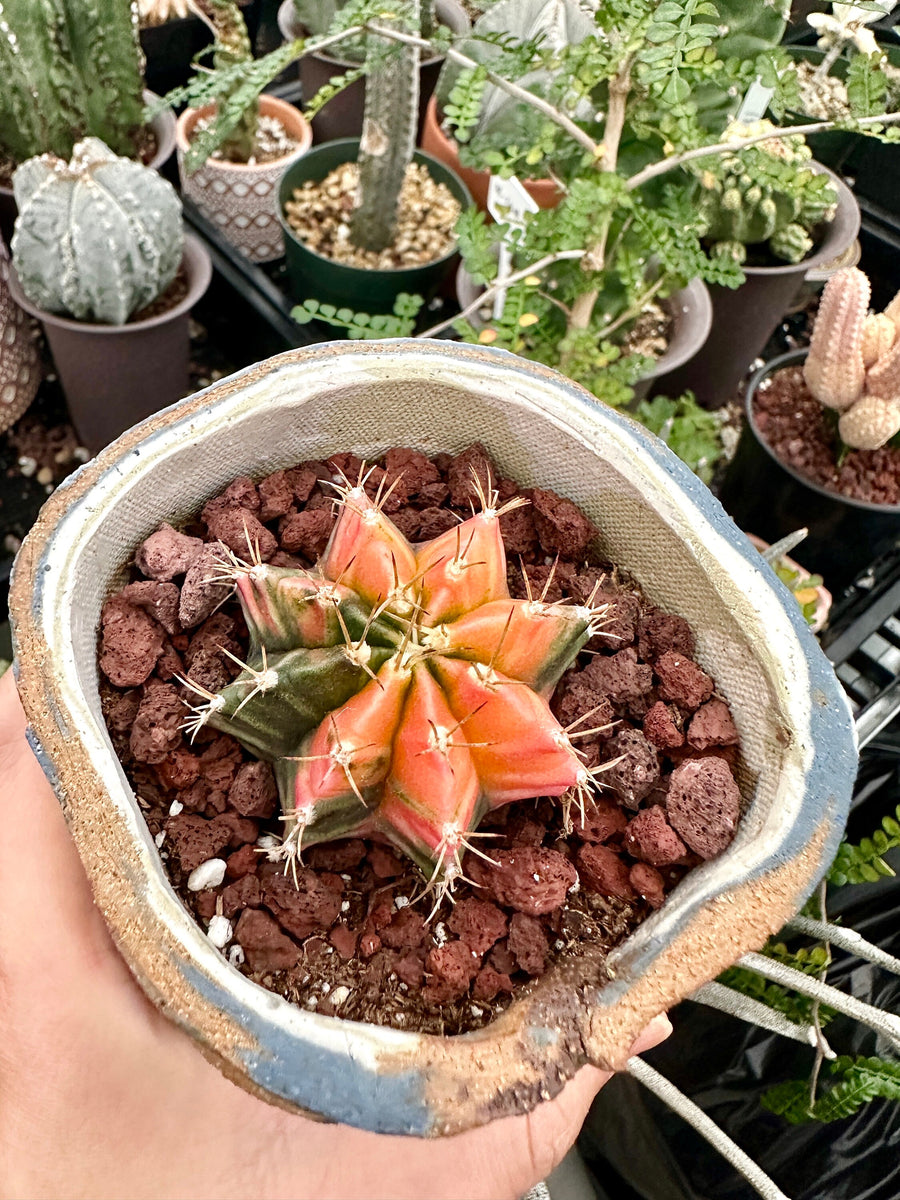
342 116
745 317
770 499
363 289
116 375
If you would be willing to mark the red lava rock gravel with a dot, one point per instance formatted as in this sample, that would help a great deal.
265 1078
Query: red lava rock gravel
351 936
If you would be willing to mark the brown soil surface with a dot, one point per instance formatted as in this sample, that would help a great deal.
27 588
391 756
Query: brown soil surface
320 215
170 298
804 436
351 935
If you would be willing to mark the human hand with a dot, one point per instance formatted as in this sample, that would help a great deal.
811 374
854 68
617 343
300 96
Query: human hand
101 1096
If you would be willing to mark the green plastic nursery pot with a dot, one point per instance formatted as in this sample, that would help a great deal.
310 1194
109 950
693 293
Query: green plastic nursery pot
311 275
655 518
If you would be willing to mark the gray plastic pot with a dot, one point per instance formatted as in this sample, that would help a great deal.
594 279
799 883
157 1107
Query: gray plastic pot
656 519
744 318
116 375
690 309
342 116
163 126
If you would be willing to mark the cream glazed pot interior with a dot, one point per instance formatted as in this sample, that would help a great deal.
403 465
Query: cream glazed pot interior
656 519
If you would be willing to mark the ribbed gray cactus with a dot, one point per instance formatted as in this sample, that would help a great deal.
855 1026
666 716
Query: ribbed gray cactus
97 238
69 69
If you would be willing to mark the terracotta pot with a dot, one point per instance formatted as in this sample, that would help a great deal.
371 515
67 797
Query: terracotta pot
544 192
764 494
691 312
342 116
656 518
116 375
240 199
744 318
163 127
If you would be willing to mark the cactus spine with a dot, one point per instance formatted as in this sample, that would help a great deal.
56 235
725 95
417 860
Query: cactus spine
853 365
398 690
389 130
98 237
70 68
765 194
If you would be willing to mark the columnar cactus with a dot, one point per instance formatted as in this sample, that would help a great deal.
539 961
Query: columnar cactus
98 237
70 69
853 365
389 130
765 194
398 690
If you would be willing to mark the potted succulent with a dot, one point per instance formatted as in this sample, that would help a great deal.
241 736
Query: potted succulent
232 153
342 115
655 520
68 74
502 120
367 219
116 318
817 443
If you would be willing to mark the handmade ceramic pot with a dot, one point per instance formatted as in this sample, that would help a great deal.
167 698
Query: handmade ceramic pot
239 198
20 370
656 519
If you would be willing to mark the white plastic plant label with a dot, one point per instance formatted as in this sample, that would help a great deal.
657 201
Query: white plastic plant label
755 102
507 202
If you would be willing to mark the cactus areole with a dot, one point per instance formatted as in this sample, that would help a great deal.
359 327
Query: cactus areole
398 690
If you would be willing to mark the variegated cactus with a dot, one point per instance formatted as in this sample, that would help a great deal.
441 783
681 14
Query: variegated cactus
98 237
398 690
853 364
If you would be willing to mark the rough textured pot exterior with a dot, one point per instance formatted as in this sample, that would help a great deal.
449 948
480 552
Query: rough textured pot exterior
241 199
655 517
745 317
116 375
764 495
163 127
20 370
435 142
342 117
364 289
691 312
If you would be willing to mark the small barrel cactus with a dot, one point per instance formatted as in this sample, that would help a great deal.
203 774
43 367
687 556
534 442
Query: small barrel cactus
398 690
766 193
97 238
853 365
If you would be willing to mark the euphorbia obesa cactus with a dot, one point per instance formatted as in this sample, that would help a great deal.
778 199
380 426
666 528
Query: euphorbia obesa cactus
398 690
96 238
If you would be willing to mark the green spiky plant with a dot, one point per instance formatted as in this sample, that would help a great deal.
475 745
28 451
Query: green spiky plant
399 691
231 49
69 69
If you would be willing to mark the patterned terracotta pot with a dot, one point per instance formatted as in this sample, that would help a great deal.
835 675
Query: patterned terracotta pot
655 517
20 371
242 200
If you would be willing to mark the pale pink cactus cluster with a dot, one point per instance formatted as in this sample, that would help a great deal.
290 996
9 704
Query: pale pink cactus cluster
853 364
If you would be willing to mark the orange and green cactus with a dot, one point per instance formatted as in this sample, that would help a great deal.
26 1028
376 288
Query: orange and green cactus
398 690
